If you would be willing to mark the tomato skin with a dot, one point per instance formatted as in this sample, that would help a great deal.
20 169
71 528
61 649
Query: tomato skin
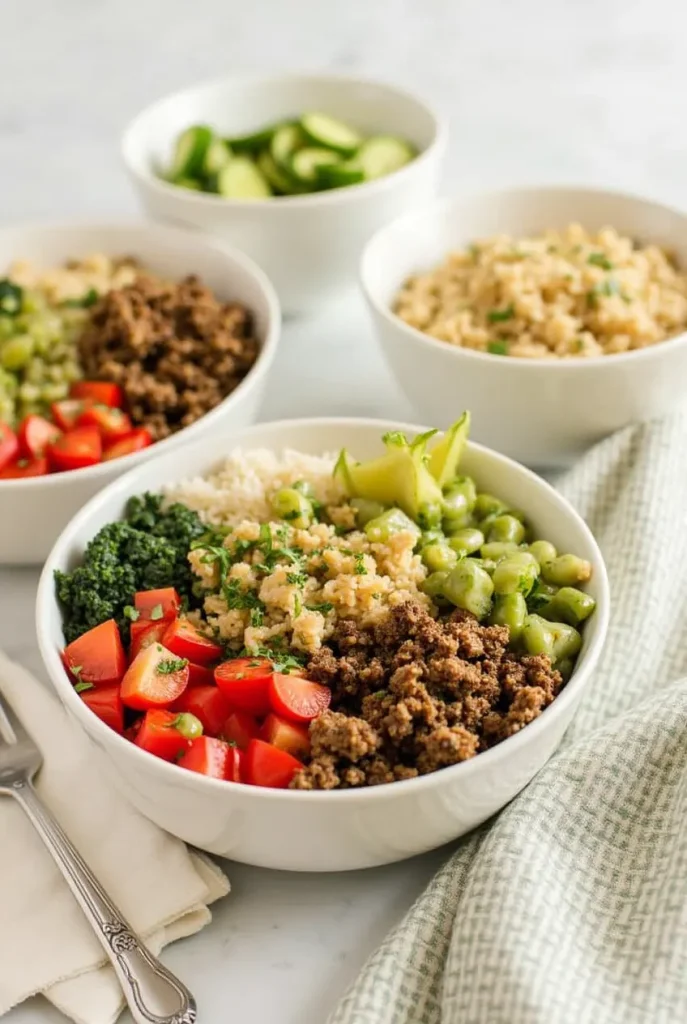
112 424
184 640
66 413
240 728
106 703
199 675
265 765
146 601
34 435
143 634
144 687
104 392
159 736
75 449
22 469
208 704
9 445
245 681
296 699
212 757
98 656
288 736
135 441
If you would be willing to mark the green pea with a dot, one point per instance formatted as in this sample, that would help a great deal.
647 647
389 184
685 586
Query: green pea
566 641
498 549
433 585
516 573
488 505
293 507
394 520
431 537
509 610
188 725
468 586
29 392
16 352
459 501
537 636
54 392
566 571
439 557
467 540
506 528
569 605
429 515
365 510
543 551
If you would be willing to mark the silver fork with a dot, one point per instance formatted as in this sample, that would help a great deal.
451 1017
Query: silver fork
152 992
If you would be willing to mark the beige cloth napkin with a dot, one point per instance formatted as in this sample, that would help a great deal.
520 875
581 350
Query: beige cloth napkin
46 945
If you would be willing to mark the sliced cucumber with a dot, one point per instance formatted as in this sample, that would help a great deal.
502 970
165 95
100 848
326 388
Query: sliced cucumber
278 179
383 154
217 155
348 172
326 131
285 141
189 154
307 163
251 143
243 179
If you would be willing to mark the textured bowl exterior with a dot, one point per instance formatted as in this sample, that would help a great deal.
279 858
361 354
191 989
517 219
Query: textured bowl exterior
544 413
300 831
33 512
309 246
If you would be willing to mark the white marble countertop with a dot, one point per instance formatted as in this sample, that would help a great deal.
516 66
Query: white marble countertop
537 91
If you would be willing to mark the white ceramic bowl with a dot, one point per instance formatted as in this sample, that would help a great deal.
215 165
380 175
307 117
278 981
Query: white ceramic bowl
34 511
543 412
309 245
326 831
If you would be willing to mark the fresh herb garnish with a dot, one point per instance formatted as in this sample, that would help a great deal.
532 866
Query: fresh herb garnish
395 438
170 665
597 259
360 569
282 661
132 614
325 607
298 579
608 287
498 348
10 297
82 687
497 316
257 617
156 613
85 302
76 670
297 606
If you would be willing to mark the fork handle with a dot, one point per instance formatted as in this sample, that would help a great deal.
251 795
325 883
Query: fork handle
152 992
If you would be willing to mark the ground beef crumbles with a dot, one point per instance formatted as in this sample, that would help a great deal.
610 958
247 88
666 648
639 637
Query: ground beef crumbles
174 348
412 694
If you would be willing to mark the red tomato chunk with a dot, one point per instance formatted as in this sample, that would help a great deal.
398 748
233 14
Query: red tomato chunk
208 704
111 424
67 412
294 739
9 445
297 699
144 633
199 675
245 682
101 391
240 729
157 604
20 469
98 656
76 449
106 703
184 640
158 734
35 434
155 678
265 765
136 441
212 757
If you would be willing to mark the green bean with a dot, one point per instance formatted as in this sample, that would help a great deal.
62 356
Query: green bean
488 505
16 353
468 586
516 573
537 636
188 725
433 585
543 551
365 510
540 595
566 571
394 520
467 540
509 610
439 557
569 605
293 507
459 501
506 528
498 549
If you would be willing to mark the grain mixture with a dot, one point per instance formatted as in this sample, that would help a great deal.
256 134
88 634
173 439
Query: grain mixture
563 294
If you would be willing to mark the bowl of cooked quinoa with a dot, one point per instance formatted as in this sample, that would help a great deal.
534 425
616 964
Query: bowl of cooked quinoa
568 305
328 644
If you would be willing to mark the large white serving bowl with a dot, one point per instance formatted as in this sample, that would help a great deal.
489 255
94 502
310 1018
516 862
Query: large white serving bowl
544 412
35 510
309 245
326 831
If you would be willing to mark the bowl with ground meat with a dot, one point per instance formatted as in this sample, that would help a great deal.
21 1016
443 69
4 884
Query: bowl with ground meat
570 305
116 341
328 644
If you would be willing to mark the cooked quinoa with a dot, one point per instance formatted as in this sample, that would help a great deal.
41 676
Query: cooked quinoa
562 294
75 278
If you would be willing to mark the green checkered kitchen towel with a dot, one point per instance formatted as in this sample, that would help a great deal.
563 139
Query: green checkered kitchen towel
570 907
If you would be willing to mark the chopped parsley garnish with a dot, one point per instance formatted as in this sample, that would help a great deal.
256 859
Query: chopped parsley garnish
608 287
257 617
76 670
132 614
282 661
297 606
325 607
237 596
597 259
156 613
473 252
498 348
85 302
81 687
497 316
298 579
170 665
360 569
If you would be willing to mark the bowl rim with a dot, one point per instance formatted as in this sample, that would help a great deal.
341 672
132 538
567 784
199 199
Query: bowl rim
329 197
258 370
46 603
446 204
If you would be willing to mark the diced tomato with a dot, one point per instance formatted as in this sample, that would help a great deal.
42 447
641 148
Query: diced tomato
20 469
186 641
155 678
75 449
245 681
240 728
106 703
111 424
199 675
235 772
144 633
288 736
67 412
104 392
265 765
208 704
297 699
98 656
136 441
159 735
9 445
35 434
215 758
157 604
132 732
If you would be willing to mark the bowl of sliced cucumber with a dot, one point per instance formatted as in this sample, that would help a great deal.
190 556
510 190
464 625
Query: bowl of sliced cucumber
298 171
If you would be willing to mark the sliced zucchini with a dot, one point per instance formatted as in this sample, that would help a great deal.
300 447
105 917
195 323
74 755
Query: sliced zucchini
189 154
383 154
445 456
243 179
217 155
347 172
278 179
285 141
253 142
307 163
326 131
